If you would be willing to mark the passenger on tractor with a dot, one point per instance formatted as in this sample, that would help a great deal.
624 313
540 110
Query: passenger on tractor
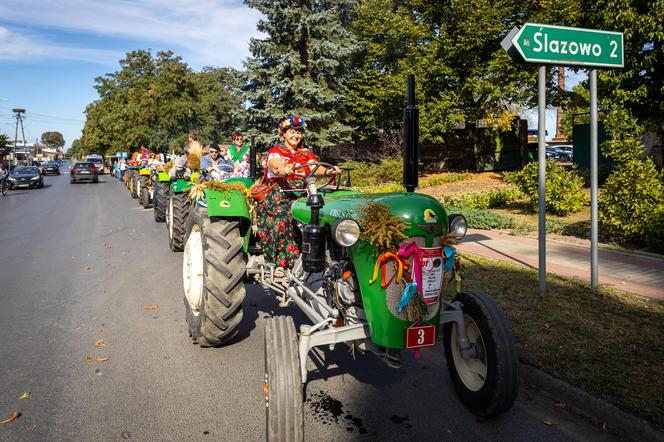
275 223
239 153
216 164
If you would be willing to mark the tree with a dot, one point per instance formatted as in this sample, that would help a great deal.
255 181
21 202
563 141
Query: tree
156 101
76 149
5 148
300 68
53 139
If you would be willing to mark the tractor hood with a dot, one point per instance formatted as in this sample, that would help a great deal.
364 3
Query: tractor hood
424 214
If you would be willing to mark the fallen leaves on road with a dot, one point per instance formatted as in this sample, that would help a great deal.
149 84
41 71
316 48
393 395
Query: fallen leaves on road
151 307
86 268
88 359
15 415
72 258
24 395
100 343
560 404
102 359
550 423
108 246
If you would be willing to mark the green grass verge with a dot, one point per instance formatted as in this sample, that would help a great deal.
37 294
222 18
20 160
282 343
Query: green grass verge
610 345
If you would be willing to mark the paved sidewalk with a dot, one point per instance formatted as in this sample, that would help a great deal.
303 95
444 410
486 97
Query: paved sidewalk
642 275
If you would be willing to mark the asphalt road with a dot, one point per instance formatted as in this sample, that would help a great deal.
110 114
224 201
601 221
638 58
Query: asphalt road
79 264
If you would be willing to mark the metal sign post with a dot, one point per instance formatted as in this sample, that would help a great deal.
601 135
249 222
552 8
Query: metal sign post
541 175
564 46
593 180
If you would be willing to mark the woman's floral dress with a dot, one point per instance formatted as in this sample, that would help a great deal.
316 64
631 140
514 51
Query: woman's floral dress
276 232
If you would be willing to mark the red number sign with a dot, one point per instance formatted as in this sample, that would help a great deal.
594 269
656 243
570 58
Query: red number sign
417 337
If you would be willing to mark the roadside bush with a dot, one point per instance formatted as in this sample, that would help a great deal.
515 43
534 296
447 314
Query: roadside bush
483 219
564 187
654 234
369 174
384 187
442 179
483 200
629 199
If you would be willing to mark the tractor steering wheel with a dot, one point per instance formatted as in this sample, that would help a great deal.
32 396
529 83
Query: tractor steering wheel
314 165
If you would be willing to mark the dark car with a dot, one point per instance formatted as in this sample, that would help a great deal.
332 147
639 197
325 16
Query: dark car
25 176
51 168
83 171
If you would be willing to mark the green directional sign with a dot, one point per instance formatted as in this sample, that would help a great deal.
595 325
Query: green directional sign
565 46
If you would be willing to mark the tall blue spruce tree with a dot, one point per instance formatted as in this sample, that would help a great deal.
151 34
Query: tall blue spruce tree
300 68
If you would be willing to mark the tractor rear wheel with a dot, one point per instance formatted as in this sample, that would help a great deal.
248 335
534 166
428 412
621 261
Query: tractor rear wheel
283 381
133 184
160 201
177 212
142 184
145 197
488 382
213 267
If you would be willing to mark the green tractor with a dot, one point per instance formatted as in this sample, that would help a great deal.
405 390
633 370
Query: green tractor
334 283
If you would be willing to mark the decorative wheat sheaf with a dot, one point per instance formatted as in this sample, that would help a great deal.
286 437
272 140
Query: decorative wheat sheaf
195 153
381 229
197 190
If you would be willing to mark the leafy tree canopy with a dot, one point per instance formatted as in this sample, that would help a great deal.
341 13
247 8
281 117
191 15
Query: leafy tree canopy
156 101
53 139
300 68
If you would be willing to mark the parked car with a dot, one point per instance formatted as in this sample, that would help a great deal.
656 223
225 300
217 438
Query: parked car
51 168
83 171
25 176
558 154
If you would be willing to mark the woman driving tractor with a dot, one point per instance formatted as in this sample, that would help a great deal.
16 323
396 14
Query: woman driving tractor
282 172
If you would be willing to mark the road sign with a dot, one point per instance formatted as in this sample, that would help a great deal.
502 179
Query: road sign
563 46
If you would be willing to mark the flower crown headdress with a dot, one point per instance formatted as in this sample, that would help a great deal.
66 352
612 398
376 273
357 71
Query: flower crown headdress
293 121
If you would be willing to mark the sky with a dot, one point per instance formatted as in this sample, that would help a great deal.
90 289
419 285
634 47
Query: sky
52 50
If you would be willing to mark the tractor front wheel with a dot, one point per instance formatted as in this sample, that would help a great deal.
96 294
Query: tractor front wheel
283 389
160 201
486 383
212 269
177 212
145 197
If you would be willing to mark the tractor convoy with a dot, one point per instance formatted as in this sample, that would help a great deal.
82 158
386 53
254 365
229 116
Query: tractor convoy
370 275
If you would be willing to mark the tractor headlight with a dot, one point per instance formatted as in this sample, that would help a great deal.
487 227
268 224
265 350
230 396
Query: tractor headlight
458 225
346 232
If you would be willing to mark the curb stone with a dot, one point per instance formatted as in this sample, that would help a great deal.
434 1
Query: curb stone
597 410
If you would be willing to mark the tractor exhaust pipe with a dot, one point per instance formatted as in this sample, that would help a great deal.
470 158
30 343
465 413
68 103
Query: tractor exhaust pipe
252 159
411 124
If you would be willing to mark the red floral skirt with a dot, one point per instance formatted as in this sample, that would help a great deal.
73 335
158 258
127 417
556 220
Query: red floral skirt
276 232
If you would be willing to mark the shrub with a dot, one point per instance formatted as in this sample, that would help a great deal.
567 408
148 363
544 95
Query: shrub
369 174
442 179
654 234
483 200
483 219
384 187
564 187
630 197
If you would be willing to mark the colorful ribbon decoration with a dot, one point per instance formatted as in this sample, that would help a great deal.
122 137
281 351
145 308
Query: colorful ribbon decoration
412 249
449 254
399 263
408 293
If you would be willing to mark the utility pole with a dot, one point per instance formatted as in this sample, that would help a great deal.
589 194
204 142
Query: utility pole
19 119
